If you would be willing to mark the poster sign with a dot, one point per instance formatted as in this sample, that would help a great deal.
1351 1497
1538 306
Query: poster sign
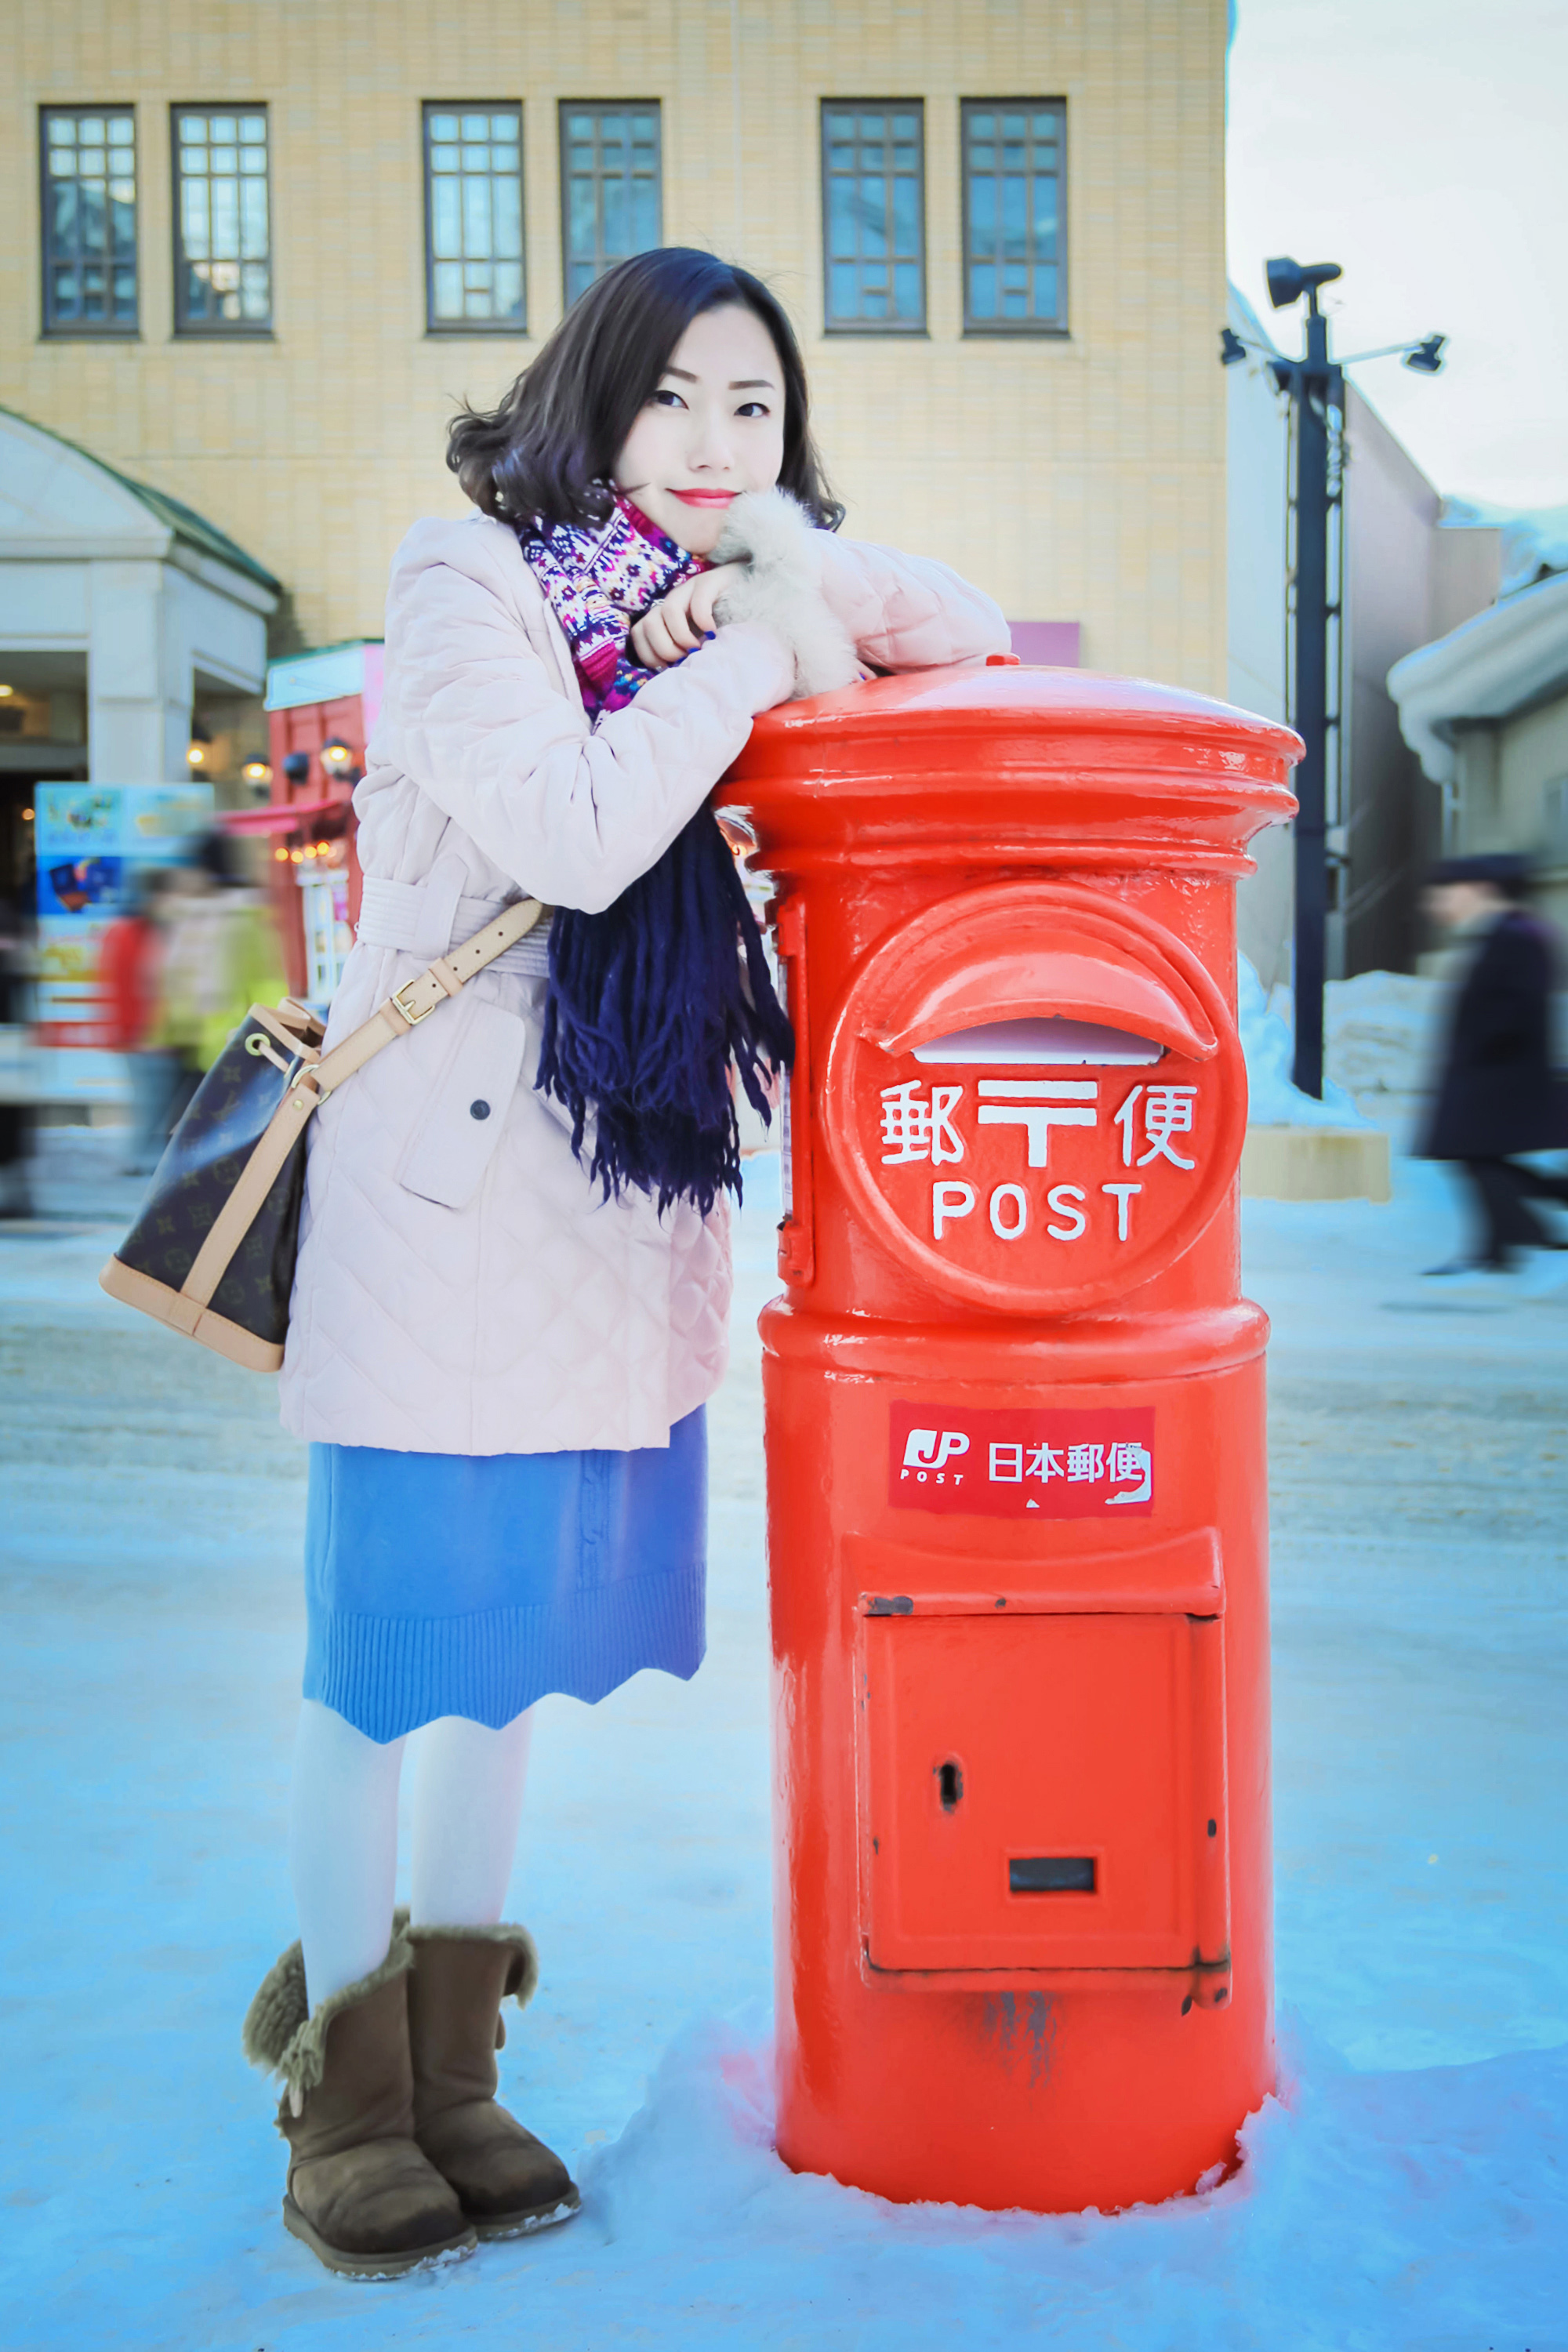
89 840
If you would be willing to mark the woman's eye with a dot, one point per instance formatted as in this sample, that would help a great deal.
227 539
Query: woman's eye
755 408
665 398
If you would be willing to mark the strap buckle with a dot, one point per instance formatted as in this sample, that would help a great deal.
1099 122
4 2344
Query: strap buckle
413 1018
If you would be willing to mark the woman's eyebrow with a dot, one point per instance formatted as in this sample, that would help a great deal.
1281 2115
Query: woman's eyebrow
743 384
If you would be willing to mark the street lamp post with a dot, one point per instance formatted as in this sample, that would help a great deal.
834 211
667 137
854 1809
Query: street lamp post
1316 387
1314 383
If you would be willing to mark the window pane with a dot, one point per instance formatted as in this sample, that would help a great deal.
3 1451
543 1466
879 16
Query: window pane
193 217
474 200
1012 159
506 201
223 239
89 222
872 215
446 221
226 218
477 216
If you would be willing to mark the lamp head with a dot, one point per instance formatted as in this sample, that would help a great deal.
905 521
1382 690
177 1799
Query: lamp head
1231 347
1288 280
1427 358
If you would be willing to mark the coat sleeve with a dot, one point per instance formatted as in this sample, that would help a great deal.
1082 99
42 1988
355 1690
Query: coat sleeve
908 612
572 813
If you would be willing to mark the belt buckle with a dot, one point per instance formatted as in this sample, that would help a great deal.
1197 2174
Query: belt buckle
424 1010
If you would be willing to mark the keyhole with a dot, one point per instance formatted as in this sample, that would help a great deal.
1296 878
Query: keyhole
950 1784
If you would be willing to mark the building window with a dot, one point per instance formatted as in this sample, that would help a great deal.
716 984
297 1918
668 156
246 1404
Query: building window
473 219
89 159
873 215
610 199
223 246
1014 258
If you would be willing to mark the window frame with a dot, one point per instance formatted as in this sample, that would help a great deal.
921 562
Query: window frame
598 107
1055 329
830 325
445 328
218 330
118 331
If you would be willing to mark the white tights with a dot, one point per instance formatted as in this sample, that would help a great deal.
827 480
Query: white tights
343 1835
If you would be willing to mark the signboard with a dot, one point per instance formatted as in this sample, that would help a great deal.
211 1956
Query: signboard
89 840
1018 1462
1036 1099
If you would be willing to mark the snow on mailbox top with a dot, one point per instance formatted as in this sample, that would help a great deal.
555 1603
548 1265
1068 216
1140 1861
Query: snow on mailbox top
1034 1096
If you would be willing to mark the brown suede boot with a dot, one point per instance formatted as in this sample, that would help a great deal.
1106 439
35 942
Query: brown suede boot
359 2192
509 2181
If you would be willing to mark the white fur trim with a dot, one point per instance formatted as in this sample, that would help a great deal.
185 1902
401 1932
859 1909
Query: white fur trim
774 537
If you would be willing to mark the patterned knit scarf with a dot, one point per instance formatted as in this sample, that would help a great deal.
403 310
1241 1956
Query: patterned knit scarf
650 1001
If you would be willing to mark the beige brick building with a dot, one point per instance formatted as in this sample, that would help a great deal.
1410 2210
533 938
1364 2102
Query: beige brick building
1070 457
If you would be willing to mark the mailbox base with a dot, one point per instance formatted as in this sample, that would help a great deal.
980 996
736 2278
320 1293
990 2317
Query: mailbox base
1023 1896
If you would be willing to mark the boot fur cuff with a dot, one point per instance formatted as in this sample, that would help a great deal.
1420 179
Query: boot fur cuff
280 2034
522 1977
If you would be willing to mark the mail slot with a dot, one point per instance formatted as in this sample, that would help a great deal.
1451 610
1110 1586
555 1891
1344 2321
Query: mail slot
1016 1474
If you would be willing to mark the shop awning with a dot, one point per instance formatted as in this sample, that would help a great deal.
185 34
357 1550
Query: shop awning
281 816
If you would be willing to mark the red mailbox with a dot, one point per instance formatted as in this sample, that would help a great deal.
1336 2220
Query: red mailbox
1016 1474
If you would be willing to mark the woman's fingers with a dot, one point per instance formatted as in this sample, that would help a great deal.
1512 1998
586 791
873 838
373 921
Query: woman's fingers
707 590
651 643
674 614
678 625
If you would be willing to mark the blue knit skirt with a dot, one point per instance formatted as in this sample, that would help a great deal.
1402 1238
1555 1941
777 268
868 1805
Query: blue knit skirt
457 1584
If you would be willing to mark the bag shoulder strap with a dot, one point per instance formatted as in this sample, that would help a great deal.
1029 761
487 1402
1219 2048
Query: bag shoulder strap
417 998
402 1011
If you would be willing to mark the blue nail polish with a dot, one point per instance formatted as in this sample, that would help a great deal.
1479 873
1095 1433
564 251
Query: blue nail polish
710 635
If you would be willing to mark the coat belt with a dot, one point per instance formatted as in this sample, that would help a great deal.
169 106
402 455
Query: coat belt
425 919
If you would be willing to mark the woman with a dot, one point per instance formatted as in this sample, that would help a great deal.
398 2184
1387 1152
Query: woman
514 1277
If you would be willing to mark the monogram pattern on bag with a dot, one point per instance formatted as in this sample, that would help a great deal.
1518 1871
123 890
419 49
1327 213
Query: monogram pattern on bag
205 1159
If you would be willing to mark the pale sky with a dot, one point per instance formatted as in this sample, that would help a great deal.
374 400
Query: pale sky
1423 144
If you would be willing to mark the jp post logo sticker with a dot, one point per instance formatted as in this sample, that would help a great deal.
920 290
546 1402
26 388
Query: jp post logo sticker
1021 1461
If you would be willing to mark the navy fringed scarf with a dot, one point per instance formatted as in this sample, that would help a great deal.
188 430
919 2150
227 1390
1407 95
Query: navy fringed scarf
651 1002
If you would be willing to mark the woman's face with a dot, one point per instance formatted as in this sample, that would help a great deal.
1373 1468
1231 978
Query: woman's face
713 428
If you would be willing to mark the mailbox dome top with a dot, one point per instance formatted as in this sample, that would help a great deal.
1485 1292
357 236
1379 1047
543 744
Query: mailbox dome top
989 760
997 698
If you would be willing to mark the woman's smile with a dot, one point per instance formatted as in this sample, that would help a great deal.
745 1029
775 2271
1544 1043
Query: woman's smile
705 498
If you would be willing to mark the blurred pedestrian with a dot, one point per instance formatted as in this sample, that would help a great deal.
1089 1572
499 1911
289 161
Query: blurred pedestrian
16 1118
130 974
221 957
1498 1094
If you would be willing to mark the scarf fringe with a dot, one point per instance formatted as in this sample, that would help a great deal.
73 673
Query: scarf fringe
650 1003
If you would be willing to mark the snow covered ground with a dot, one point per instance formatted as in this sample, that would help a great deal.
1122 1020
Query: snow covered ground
1409 2188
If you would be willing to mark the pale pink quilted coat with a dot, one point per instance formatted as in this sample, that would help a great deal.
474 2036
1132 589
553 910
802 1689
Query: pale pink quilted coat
461 1288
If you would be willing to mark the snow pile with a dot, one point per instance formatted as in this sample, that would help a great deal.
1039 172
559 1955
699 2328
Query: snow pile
1534 538
1381 1041
1390 2210
1266 1041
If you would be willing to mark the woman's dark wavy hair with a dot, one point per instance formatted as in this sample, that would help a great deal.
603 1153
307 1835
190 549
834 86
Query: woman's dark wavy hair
545 455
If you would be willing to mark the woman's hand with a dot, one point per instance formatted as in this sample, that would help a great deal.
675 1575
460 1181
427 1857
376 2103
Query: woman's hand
678 625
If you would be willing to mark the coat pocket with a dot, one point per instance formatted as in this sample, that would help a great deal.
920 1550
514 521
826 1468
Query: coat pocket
456 1139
